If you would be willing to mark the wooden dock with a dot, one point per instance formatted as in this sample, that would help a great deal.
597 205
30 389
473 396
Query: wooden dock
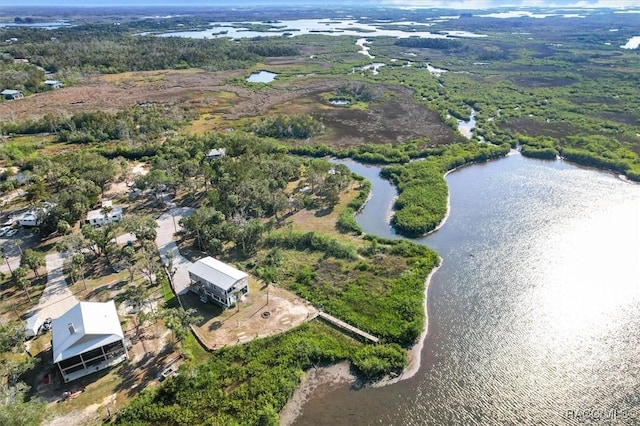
348 327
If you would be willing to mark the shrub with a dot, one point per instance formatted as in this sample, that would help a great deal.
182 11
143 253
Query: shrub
375 361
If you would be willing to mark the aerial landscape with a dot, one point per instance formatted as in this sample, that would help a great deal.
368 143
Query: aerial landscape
281 212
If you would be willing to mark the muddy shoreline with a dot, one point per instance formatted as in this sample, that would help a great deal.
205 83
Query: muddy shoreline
321 380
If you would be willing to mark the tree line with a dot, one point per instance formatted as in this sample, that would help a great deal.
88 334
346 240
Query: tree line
113 49
137 124
423 193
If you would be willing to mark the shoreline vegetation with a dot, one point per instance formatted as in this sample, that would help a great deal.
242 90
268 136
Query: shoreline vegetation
272 204
326 378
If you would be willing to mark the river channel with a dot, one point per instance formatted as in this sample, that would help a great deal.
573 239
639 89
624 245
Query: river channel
534 314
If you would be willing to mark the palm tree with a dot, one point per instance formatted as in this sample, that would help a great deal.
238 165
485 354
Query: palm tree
237 293
179 320
4 255
77 261
18 243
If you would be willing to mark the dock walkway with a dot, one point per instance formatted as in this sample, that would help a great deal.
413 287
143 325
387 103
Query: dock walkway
348 327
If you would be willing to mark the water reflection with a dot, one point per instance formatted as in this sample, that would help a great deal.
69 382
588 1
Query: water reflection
262 77
466 127
533 314
295 27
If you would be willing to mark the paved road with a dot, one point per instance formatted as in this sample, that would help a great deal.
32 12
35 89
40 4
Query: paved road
168 225
125 238
12 251
56 298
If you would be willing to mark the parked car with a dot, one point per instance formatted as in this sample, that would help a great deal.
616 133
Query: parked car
11 232
4 230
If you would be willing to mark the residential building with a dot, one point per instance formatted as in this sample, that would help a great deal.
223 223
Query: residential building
29 218
106 214
53 84
218 282
87 338
11 94
35 217
216 153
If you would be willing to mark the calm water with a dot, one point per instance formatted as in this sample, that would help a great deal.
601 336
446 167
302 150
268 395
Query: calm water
327 26
262 77
466 127
534 316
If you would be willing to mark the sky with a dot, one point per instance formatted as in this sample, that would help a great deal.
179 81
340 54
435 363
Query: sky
485 4
443 4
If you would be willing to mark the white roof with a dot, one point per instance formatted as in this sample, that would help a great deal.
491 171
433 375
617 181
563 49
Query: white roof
217 152
99 213
10 92
33 323
95 324
51 82
29 216
33 214
216 272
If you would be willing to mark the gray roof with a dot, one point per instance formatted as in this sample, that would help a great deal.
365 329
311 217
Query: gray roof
95 324
217 152
10 92
219 273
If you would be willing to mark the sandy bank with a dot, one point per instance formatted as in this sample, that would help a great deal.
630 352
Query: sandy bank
316 381
319 381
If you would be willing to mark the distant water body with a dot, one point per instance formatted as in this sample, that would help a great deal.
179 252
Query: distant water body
534 316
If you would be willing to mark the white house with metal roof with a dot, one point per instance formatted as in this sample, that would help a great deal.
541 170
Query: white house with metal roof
218 282
87 338
36 216
216 153
12 94
53 84
108 213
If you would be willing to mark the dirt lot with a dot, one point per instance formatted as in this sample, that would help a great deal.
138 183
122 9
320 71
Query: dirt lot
264 311
395 118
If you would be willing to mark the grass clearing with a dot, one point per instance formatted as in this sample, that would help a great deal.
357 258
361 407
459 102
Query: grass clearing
324 222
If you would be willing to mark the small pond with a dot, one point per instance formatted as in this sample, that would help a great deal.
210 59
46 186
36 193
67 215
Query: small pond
262 77
466 127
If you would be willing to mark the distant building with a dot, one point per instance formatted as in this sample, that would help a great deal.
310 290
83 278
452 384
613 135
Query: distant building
35 217
29 218
53 84
216 153
216 281
87 338
106 214
11 94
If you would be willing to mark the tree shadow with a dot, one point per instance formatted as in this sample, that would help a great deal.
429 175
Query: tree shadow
135 374
323 212
215 325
